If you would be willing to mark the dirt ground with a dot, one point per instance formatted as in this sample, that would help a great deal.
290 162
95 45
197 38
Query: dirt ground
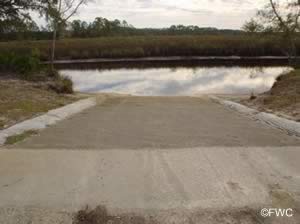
283 99
21 100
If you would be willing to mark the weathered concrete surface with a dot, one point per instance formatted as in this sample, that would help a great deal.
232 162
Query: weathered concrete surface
291 127
158 122
181 160
46 186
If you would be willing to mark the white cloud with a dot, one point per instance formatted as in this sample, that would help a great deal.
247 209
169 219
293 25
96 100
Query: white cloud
163 13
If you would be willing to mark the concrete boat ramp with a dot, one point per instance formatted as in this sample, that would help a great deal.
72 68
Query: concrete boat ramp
163 159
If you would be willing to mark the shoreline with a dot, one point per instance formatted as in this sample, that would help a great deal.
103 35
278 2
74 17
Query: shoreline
275 59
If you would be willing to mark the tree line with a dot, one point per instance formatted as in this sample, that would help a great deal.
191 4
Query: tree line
277 16
99 27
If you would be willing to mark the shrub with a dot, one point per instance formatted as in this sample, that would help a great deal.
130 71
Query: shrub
25 65
62 85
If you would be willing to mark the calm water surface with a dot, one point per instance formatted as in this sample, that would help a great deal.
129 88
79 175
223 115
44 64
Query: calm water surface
177 81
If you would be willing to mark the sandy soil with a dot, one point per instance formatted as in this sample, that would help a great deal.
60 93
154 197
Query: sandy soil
21 100
283 99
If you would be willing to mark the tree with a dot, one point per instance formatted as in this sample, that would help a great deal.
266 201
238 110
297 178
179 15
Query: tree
14 15
58 12
252 26
12 9
282 17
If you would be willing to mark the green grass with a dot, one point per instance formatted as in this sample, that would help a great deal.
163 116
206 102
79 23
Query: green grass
2 123
11 140
151 46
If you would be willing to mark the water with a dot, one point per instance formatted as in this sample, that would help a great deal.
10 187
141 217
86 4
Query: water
176 81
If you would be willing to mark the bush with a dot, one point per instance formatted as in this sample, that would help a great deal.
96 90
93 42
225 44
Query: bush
62 85
25 65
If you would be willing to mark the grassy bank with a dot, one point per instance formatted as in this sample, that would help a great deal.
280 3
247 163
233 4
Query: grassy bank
283 98
146 46
20 100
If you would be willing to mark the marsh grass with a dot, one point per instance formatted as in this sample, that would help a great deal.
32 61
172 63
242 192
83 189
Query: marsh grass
151 46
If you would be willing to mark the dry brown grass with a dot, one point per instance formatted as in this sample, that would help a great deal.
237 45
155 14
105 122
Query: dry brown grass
145 46
284 97
20 100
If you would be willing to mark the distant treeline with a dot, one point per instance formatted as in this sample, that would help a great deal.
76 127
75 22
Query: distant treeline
102 27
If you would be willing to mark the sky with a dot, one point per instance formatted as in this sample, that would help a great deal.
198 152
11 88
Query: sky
230 14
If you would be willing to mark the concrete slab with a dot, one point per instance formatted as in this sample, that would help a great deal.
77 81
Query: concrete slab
62 181
181 160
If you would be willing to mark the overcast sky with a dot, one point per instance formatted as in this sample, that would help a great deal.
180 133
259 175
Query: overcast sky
163 13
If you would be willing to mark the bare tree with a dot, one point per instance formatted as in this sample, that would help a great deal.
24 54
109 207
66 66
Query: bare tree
58 12
282 16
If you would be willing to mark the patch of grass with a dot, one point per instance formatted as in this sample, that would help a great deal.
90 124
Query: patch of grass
11 140
99 215
21 100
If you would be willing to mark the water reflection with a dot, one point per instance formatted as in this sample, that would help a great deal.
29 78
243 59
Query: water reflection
177 81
